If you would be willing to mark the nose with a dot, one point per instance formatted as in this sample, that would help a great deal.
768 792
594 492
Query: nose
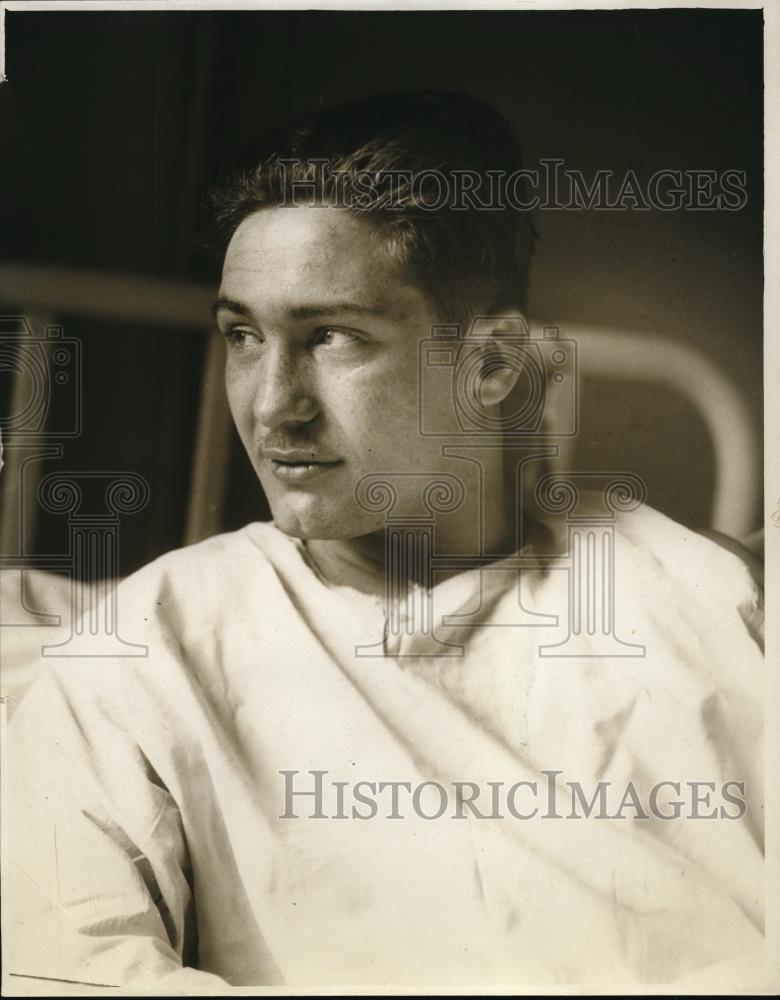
283 394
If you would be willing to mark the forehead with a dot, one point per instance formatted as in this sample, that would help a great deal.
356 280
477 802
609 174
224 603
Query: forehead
284 258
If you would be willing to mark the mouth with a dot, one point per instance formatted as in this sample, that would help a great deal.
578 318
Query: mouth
297 471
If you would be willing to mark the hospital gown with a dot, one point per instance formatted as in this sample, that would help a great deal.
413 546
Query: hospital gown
149 840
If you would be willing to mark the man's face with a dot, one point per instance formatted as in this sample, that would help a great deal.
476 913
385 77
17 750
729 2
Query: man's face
323 337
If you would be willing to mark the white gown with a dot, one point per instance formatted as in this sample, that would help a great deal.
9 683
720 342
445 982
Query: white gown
149 838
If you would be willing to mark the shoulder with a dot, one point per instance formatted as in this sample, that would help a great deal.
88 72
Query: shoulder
708 574
215 553
655 542
214 569
706 564
152 623
192 597
666 565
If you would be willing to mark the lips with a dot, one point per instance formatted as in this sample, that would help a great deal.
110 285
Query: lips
299 466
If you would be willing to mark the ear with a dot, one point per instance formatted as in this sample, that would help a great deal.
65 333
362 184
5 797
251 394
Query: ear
502 362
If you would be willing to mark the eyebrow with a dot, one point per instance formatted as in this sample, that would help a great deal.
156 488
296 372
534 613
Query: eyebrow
229 305
312 311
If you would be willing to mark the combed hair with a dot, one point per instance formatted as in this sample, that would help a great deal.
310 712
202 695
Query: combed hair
380 158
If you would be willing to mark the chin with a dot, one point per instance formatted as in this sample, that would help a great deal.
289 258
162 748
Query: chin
312 521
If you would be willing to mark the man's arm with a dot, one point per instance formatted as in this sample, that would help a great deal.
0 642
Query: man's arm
98 886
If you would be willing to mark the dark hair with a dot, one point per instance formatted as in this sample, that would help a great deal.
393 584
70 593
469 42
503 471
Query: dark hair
386 158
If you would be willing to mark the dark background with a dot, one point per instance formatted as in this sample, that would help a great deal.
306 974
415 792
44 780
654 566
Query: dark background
113 123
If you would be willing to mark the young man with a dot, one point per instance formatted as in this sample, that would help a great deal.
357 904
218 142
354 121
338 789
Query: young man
388 740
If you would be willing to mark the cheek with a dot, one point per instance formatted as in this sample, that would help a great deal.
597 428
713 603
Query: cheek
385 438
381 424
239 397
373 401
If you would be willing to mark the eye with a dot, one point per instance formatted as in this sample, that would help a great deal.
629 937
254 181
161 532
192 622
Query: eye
241 337
332 336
